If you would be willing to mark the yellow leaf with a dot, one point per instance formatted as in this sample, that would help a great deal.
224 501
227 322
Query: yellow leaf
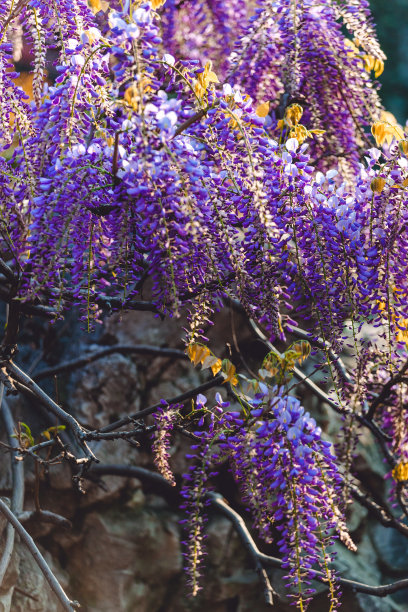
229 370
377 184
378 68
400 472
300 133
302 349
293 114
190 350
209 361
204 78
403 145
216 367
317 132
385 132
352 49
369 62
263 109
388 117
198 353
157 3
212 77
398 132
201 353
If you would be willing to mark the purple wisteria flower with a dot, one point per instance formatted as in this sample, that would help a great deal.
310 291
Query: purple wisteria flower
164 419
289 481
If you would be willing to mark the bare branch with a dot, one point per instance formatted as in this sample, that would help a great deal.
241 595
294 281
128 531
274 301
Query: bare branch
359 587
324 346
386 390
134 471
214 382
363 419
383 515
193 119
17 496
7 271
119 435
123 349
218 502
62 416
67 604
44 516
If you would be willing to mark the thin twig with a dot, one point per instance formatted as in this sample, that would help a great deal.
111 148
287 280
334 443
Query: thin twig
214 382
363 419
324 346
359 587
383 515
193 119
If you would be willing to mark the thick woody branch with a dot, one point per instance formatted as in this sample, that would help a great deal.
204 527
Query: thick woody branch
67 604
28 307
119 435
44 516
358 587
62 416
218 502
17 495
7 271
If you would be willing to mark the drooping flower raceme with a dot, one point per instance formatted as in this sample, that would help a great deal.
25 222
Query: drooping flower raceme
288 478
182 161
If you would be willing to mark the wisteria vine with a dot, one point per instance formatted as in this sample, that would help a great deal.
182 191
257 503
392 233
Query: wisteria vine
246 160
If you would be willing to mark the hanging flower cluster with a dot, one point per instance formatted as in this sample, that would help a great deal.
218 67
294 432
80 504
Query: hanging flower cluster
288 478
164 419
229 160
136 163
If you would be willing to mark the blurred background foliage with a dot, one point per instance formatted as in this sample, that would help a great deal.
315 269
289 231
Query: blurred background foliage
391 17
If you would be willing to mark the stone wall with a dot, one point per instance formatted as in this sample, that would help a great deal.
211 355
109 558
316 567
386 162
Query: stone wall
124 552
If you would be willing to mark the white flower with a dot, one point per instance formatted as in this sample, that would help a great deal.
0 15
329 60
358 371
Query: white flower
227 90
331 174
166 121
292 145
77 60
169 59
291 170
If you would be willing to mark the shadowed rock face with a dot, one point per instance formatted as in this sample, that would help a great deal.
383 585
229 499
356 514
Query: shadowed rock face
124 552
